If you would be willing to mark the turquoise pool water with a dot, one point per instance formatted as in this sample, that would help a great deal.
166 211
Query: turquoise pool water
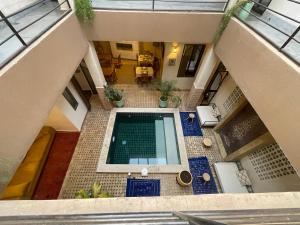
144 138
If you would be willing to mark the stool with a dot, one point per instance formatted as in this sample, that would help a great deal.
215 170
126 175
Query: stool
207 142
191 117
205 177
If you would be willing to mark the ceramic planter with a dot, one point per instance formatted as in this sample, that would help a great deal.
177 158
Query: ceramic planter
120 103
184 178
163 103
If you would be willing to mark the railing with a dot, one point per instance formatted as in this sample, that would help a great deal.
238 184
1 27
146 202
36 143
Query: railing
20 29
282 31
212 217
162 5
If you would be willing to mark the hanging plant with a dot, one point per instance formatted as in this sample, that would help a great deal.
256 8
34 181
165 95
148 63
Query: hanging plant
84 11
226 18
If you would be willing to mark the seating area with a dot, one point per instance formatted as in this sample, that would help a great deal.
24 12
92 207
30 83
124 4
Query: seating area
24 181
130 62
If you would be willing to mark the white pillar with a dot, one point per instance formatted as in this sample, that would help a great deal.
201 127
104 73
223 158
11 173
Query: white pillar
94 67
204 74
93 64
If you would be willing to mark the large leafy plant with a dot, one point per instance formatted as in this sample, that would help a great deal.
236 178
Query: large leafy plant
94 192
226 18
112 94
84 11
166 89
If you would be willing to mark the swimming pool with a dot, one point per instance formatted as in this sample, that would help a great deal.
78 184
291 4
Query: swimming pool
144 138
138 138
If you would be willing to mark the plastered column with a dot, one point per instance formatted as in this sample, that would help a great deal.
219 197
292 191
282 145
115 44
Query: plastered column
92 63
204 74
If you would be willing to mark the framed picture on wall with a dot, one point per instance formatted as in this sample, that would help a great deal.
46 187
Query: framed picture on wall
172 61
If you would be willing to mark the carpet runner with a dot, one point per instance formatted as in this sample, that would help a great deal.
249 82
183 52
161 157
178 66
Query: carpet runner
142 187
56 166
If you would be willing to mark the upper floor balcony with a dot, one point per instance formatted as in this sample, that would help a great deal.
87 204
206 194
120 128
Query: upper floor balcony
162 5
21 24
278 21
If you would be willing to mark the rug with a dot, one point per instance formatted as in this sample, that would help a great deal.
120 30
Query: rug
56 166
190 128
198 166
142 187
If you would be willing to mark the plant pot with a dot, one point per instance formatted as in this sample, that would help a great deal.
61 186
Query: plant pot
120 103
184 178
163 103
243 14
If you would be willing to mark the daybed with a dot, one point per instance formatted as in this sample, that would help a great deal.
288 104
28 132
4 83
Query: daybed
25 179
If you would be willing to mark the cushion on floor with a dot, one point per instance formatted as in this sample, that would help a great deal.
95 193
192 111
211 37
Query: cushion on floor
15 191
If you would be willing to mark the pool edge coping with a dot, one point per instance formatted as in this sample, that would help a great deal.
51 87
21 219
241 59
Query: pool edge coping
102 167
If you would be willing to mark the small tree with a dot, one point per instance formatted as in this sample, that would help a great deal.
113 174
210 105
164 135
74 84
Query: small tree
226 18
94 192
84 11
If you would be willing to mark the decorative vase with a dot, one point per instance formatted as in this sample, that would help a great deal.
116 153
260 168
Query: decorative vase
163 103
119 103
184 178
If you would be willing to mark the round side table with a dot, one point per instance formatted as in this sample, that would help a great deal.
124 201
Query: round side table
207 142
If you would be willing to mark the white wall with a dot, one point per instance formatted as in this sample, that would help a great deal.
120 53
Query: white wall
170 72
269 81
223 93
63 117
184 27
124 53
289 182
10 6
287 8
30 85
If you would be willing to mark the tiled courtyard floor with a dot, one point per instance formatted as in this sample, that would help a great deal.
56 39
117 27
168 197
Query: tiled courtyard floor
82 169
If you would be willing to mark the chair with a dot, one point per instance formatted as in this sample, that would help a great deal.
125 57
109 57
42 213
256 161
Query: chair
118 64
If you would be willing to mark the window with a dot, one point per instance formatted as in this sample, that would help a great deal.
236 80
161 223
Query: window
123 46
215 83
190 60
70 98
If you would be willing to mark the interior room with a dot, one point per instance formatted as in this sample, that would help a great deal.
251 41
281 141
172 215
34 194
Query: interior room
130 62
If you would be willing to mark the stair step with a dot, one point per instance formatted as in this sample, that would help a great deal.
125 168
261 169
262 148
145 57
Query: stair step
171 141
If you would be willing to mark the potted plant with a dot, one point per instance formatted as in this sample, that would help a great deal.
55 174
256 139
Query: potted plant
184 178
166 89
94 192
113 95
84 11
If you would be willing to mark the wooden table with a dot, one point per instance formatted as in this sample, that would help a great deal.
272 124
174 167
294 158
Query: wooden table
146 60
144 71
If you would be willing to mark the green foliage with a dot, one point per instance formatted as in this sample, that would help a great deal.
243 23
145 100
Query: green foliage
94 192
112 94
84 11
226 18
166 89
176 100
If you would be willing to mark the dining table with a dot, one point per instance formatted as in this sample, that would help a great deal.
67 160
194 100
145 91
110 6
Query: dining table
144 71
145 60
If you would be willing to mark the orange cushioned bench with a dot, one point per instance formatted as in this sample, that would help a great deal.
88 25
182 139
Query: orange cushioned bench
25 179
